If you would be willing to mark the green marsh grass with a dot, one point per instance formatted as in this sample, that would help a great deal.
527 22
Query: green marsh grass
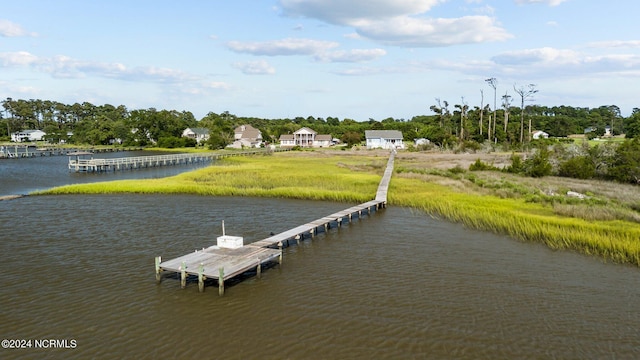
286 175
345 177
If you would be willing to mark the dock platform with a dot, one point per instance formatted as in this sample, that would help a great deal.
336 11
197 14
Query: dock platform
222 264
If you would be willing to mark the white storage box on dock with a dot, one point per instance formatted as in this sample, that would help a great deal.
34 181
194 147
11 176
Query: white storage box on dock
230 242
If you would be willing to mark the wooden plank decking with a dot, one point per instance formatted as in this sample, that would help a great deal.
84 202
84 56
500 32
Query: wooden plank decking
79 164
222 264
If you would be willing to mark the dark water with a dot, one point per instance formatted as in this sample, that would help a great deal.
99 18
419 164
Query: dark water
24 175
396 285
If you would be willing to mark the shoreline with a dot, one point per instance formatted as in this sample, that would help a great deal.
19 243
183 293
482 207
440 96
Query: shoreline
522 212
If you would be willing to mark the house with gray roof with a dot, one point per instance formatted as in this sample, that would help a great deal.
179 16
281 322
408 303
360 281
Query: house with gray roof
198 134
384 139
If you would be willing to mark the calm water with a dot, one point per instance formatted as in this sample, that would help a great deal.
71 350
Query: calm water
395 285
21 176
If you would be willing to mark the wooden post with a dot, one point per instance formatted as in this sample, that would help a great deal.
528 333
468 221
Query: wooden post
183 275
339 220
326 226
158 270
298 239
221 281
280 257
201 278
259 269
313 232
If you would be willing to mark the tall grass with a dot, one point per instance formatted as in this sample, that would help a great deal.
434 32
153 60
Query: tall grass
354 178
281 175
616 240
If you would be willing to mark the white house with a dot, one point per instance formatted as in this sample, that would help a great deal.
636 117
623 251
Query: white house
287 140
199 134
384 139
28 135
305 137
246 136
539 134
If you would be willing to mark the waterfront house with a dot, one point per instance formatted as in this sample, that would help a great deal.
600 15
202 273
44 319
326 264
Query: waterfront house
246 136
305 137
28 135
384 139
198 134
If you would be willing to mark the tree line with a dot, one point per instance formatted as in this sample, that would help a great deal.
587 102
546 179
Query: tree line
447 125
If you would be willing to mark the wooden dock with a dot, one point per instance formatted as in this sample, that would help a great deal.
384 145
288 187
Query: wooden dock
222 264
84 161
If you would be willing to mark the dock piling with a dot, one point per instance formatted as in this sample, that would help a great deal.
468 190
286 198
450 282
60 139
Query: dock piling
201 278
232 262
221 281
183 275
259 269
158 270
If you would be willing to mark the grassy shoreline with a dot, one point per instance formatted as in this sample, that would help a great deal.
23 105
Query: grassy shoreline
354 176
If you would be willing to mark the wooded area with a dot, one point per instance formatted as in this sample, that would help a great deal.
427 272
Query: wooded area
456 127
446 125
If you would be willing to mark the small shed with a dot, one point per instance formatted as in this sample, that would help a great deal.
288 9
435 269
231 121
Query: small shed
539 134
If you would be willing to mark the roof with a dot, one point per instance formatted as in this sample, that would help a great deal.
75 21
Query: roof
286 137
199 131
305 129
383 134
323 138
29 131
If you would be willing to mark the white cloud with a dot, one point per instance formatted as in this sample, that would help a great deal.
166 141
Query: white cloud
414 32
544 55
545 63
399 22
290 46
615 44
259 67
9 29
344 12
61 66
356 55
548 2
21 58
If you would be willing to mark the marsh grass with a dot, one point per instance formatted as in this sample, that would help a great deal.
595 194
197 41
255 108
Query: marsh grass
502 203
285 175
616 240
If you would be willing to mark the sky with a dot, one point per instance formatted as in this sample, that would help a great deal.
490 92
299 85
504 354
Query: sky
356 59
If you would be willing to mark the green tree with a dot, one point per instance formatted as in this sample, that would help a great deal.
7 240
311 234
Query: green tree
626 164
538 165
632 128
351 138
578 167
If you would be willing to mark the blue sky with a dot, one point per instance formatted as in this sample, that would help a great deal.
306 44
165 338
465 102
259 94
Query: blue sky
355 59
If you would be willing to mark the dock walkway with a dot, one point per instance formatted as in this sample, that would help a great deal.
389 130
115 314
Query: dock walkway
222 264
79 163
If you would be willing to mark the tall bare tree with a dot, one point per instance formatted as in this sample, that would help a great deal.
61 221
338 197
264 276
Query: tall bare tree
481 110
494 84
506 104
464 107
525 94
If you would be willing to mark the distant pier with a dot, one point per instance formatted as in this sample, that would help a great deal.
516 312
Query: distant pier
31 151
223 263
84 162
